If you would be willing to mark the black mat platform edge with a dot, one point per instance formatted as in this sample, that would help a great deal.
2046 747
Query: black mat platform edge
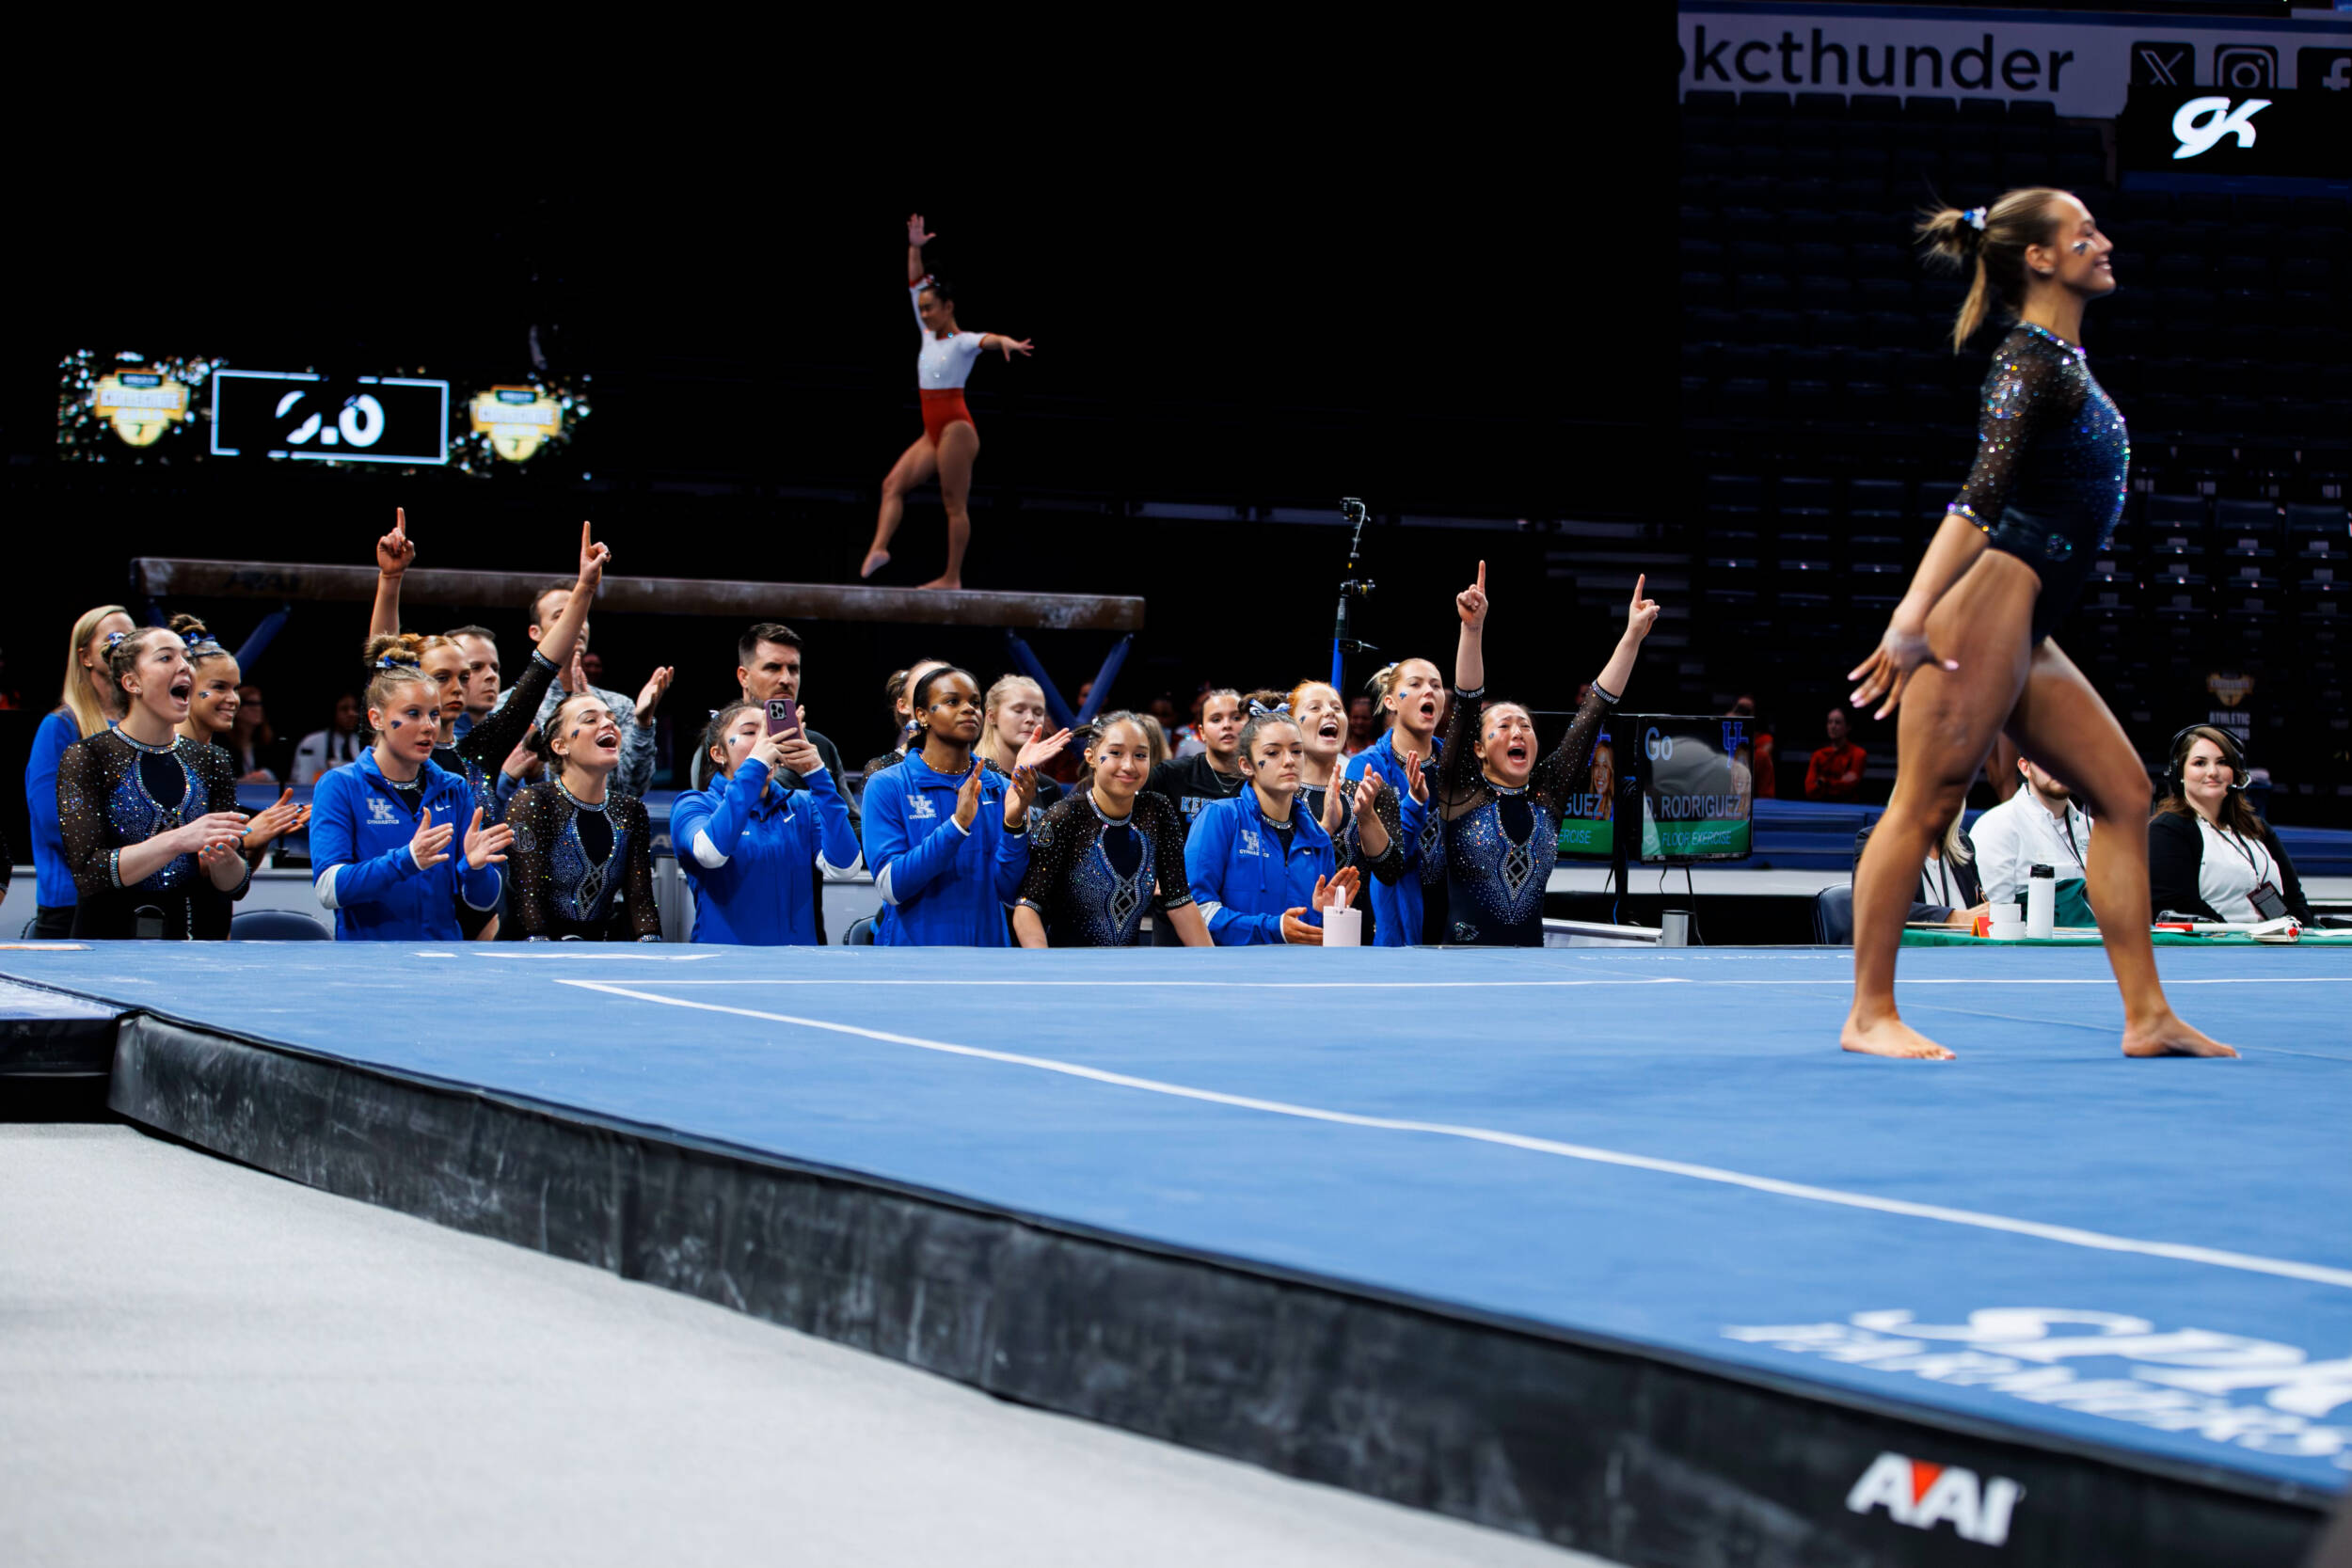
1619 1449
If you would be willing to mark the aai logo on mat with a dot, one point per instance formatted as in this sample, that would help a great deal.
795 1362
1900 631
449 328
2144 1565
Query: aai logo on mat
1923 1495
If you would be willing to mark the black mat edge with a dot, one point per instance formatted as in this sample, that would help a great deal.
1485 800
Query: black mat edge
1607 1449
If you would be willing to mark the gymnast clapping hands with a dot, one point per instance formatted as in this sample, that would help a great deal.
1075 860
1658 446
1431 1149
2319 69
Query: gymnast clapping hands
947 839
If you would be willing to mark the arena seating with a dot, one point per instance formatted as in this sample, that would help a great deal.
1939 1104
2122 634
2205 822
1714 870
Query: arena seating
1826 419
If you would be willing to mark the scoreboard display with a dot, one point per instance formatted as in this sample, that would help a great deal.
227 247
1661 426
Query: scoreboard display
366 418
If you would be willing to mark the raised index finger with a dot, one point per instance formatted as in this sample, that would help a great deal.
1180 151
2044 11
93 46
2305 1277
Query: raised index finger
1639 582
1482 576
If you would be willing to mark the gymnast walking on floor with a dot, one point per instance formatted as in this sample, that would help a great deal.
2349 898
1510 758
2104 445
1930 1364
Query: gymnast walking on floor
1967 654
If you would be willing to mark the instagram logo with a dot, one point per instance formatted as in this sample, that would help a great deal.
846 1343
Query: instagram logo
2245 66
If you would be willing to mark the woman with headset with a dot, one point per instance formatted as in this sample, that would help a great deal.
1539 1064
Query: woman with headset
2209 854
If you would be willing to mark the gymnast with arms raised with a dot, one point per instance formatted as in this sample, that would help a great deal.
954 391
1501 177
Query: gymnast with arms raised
950 442
1967 654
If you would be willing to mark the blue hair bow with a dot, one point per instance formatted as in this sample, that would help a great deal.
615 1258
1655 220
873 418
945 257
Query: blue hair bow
1259 710
1975 218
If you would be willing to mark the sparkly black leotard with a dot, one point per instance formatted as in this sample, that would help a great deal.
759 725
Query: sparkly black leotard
1090 875
1500 845
2052 453
581 870
112 793
479 753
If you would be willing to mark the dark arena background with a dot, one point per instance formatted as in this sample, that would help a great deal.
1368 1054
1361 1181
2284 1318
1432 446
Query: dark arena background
1590 1249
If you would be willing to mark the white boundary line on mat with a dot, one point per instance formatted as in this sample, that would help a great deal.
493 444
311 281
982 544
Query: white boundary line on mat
2069 1235
1474 984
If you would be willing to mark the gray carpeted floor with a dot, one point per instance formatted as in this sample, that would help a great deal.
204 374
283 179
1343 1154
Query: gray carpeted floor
200 1364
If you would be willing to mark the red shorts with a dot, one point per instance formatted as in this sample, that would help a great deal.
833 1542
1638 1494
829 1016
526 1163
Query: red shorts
941 409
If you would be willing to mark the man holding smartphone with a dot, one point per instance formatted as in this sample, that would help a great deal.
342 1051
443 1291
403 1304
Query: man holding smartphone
767 666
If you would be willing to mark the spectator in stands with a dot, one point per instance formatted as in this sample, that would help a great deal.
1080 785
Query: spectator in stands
947 839
1835 772
150 817
1214 772
2209 854
1100 853
250 741
1967 654
1362 724
335 746
1763 768
583 850
87 703
1184 740
213 706
1012 715
383 829
898 690
748 845
1949 891
1260 870
591 665
2040 825
1411 694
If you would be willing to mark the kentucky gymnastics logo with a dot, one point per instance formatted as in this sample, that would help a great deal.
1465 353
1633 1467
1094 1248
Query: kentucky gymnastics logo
1924 1496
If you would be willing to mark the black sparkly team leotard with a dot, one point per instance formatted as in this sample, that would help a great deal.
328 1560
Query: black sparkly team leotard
1500 845
1090 875
112 793
581 870
2052 453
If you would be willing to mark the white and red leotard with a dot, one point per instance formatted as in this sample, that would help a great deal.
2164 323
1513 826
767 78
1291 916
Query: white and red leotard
941 368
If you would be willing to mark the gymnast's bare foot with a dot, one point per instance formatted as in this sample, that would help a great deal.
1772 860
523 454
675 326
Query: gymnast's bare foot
875 560
2167 1035
1890 1037
945 582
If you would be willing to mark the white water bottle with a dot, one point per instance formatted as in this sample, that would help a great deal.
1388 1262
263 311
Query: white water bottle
2040 902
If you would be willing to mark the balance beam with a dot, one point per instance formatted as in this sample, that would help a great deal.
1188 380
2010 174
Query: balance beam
159 577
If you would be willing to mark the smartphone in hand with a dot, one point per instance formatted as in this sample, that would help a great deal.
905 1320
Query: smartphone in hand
782 714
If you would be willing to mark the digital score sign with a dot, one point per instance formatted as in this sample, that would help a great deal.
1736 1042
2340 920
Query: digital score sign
298 414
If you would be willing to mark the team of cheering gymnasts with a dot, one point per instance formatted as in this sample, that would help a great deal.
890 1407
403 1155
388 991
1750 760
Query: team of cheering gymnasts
1453 837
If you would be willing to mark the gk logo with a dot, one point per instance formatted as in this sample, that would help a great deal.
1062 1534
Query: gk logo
2200 123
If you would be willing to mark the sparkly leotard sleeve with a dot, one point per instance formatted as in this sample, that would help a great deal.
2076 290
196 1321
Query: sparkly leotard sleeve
110 796
2052 457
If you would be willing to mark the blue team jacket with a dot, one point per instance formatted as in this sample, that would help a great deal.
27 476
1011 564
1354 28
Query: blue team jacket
1240 877
53 879
747 852
940 886
360 865
1396 906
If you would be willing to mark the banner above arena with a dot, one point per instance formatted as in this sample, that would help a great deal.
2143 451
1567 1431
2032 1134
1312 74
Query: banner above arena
2085 63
